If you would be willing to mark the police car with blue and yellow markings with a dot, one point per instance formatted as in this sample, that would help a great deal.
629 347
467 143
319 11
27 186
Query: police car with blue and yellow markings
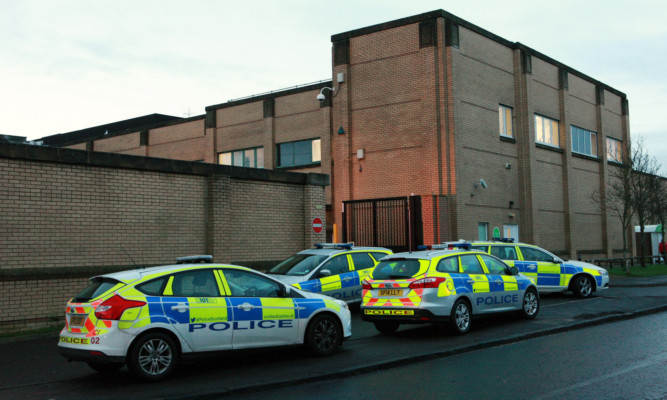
333 269
549 272
444 285
152 318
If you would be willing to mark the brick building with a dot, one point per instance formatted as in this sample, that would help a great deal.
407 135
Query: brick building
458 131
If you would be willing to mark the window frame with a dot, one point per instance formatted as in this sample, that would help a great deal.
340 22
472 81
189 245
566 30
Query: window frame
502 121
554 134
256 157
619 149
313 154
592 143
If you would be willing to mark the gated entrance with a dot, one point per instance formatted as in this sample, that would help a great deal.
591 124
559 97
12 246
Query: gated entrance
395 223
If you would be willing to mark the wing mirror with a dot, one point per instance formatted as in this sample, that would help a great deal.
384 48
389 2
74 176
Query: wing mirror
284 291
325 272
514 270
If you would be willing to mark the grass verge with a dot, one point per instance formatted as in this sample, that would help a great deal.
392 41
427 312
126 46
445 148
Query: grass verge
639 271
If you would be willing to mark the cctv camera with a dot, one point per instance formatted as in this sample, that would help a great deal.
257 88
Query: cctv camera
481 182
320 97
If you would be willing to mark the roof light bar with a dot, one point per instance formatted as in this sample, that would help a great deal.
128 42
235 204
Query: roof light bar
504 240
459 245
334 245
204 258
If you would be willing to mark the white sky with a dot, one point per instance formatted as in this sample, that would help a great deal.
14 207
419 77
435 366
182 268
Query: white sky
72 64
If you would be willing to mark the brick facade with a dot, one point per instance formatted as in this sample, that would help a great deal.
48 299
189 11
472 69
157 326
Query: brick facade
67 215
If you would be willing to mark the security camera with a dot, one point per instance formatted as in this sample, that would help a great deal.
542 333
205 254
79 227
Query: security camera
321 97
481 182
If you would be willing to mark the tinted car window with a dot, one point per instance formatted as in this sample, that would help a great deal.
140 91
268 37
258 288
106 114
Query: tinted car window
396 269
362 261
298 265
495 267
533 254
154 287
470 264
450 264
504 252
96 287
248 284
337 265
197 283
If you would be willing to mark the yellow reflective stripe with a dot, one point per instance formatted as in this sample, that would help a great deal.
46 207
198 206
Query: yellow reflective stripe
592 271
168 291
332 305
330 283
565 279
548 269
277 308
510 283
481 284
222 283
207 309
130 314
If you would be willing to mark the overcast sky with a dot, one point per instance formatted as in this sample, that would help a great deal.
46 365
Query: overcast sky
67 65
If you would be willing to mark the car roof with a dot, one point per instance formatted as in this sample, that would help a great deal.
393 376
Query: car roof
431 254
136 274
337 250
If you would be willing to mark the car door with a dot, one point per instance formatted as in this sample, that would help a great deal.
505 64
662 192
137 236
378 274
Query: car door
261 317
193 304
362 266
475 279
502 284
541 265
332 284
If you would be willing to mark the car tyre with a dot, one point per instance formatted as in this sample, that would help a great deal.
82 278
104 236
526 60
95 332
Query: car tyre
323 335
153 357
530 306
386 327
461 317
583 286
105 367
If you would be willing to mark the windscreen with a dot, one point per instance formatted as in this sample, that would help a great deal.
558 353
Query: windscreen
96 288
298 265
396 269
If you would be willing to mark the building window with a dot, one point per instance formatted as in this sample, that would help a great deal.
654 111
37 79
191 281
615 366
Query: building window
295 154
252 158
511 231
614 150
546 131
505 121
584 141
483 231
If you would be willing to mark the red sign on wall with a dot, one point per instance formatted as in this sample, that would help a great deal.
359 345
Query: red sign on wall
317 225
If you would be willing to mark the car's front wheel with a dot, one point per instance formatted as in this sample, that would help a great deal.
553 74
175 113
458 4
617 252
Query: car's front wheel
531 304
386 327
323 335
153 357
583 286
461 316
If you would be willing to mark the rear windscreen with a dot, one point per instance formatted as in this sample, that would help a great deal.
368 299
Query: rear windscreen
96 288
396 269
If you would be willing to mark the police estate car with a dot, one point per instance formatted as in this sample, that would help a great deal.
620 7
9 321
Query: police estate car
444 285
549 272
152 318
334 269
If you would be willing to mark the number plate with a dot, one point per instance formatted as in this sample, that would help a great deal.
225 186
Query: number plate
77 320
391 292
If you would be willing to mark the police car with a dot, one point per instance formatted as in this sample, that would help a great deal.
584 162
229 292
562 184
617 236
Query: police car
549 272
152 318
444 285
334 269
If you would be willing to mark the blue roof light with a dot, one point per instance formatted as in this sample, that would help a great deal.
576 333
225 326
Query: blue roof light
344 246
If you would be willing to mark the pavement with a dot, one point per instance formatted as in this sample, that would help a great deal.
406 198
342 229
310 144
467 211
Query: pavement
635 281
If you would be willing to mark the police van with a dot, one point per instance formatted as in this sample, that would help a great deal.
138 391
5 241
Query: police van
549 272
444 285
152 318
333 269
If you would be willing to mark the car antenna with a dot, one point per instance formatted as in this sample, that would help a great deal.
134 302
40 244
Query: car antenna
128 256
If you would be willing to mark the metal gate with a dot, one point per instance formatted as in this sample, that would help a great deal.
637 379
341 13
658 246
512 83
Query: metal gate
395 223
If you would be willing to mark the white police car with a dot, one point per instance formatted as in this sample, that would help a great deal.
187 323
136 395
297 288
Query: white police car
444 285
549 272
152 318
334 269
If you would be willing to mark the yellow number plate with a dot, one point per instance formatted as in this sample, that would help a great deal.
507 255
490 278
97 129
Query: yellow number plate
77 320
391 292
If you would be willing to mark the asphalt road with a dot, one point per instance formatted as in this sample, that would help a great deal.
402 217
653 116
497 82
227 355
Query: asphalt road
33 369
620 360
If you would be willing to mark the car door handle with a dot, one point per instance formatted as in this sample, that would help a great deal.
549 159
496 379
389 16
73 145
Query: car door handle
471 281
246 306
532 267
180 307
347 278
498 281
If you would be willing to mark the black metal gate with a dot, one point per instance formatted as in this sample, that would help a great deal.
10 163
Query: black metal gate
395 223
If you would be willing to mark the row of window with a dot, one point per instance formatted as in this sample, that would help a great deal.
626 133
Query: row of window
546 132
288 155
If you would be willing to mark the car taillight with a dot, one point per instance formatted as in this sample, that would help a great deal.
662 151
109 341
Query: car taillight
114 307
365 285
427 283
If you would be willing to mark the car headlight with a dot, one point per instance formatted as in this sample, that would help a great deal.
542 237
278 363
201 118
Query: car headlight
604 272
343 304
